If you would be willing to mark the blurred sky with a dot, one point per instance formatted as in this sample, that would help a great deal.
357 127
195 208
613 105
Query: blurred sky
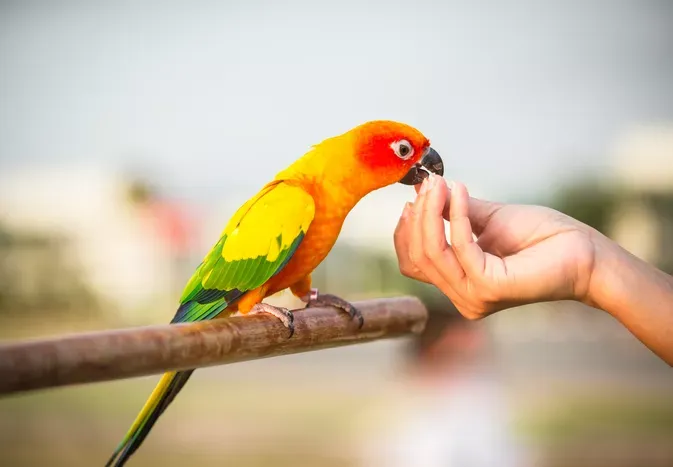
211 97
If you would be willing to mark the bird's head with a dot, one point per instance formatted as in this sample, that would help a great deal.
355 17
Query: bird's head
368 157
388 152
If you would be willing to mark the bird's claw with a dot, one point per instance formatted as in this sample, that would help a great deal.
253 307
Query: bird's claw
317 300
283 314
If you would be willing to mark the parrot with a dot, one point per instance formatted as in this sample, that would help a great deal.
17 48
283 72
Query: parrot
278 237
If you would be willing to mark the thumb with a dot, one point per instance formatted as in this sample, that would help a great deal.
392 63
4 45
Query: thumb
479 211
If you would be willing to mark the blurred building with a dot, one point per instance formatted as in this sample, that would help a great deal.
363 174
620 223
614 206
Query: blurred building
643 219
97 231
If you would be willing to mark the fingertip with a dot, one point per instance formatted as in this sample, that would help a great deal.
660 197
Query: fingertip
437 195
469 253
458 186
403 222
406 210
459 200
442 185
426 185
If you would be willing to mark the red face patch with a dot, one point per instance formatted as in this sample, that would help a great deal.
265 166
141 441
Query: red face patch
390 146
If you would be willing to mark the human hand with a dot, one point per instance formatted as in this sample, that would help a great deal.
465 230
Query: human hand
523 254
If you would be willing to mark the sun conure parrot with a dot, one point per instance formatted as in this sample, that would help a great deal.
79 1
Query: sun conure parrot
278 237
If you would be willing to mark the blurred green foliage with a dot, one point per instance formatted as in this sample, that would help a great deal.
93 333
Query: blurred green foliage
37 276
597 204
588 201
353 271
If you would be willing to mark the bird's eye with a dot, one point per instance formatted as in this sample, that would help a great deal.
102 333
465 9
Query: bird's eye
402 149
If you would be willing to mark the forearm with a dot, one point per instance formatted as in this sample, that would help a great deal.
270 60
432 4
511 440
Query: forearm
636 293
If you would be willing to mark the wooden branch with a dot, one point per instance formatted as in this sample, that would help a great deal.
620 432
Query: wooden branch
127 353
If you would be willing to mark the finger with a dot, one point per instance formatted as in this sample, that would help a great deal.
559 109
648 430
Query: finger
416 247
469 254
480 212
401 239
433 234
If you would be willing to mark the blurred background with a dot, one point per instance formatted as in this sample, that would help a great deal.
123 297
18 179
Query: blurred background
131 130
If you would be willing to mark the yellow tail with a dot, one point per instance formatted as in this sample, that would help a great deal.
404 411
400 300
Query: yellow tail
165 391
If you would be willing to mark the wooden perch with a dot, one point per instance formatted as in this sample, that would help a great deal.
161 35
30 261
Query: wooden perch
127 353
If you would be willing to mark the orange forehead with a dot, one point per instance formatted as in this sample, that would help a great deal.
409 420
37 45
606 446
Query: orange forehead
390 131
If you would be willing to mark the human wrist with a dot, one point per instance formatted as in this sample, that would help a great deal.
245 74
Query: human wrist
635 293
620 280
606 282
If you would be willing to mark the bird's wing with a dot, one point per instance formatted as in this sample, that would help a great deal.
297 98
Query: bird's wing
255 245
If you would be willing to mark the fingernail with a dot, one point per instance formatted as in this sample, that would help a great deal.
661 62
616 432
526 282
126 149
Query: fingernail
432 181
406 210
424 187
451 184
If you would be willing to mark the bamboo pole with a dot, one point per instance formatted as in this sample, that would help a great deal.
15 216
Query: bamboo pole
128 353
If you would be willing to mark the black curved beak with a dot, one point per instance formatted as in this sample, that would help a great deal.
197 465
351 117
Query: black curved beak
430 162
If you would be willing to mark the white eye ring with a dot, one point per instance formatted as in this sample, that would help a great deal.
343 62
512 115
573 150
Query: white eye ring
402 149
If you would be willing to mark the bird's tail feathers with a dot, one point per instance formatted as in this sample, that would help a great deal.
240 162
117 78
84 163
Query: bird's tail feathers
165 391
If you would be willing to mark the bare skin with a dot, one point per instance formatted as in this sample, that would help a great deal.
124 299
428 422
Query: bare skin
527 254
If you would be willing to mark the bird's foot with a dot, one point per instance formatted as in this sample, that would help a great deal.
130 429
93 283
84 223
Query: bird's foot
283 314
316 299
